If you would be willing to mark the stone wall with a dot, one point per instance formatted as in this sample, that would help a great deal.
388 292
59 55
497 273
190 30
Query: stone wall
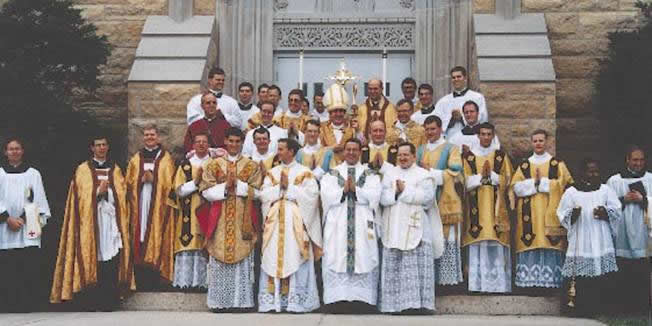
122 22
578 31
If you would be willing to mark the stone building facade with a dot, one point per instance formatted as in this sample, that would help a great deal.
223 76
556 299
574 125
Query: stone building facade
577 31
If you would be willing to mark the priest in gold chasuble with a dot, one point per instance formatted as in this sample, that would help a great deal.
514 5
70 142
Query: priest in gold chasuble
292 238
190 260
94 251
379 155
314 155
229 183
149 181
405 129
486 230
375 107
439 155
538 183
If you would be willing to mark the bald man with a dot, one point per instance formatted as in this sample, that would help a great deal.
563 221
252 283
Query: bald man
375 107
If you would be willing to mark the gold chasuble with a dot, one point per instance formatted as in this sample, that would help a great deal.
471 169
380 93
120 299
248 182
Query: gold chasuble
328 139
537 225
254 121
156 251
486 216
234 237
414 133
388 152
446 157
327 135
284 121
383 110
77 260
187 234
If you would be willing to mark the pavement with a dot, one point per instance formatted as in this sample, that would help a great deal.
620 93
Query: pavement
160 318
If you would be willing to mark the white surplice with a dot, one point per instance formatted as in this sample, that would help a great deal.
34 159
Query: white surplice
362 284
13 187
445 106
631 235
275 133
590 244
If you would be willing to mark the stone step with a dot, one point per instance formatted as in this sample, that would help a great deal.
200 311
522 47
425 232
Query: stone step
451 304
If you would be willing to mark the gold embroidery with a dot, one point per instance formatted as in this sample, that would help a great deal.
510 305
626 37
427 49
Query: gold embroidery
229 221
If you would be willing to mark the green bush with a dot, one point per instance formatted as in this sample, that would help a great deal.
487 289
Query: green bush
624 91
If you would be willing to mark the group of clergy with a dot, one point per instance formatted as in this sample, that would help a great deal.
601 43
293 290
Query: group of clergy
289 209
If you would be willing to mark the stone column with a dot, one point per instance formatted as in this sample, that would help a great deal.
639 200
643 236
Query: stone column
442 41
180 10
245 42
509 9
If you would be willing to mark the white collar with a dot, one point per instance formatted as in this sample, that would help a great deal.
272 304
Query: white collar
436 144
269 126
482 151
538 159
291 114
374 146
400 125
340 127
290 165
94 159
312 148
232 158
196 159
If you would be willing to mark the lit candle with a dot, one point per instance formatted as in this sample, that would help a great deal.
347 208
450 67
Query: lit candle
300 69
384 71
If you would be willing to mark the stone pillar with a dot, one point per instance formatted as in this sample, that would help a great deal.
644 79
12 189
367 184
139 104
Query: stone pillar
245 42
443 39
509 9
180 10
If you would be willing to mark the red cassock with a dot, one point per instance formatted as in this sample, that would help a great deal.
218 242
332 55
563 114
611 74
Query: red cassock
215 128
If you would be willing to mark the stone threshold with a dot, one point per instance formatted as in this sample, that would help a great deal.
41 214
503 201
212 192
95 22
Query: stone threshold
445 305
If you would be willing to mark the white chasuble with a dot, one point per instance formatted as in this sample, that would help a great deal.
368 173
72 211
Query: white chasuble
292 225
350 243
407 219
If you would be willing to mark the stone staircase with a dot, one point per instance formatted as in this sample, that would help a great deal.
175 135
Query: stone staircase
449 305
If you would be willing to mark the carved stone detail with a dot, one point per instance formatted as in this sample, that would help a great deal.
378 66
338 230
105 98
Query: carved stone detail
337 36
407 4
280 4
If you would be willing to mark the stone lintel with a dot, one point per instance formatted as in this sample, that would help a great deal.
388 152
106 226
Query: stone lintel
173 46
491 45
523 24
167 70
162 25
516 69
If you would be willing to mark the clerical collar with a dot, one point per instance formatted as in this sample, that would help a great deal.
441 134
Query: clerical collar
267 126
20 168
374 146
245 107
340 127
585 186
293 114
409 167
151 153
232 158
218 94
460 93
427 110
482 151
312 148
629 174
469 130
539 159
289 165
400 125
436 144
99 164
262 154
196 158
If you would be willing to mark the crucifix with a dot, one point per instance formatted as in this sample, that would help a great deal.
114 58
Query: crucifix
415 218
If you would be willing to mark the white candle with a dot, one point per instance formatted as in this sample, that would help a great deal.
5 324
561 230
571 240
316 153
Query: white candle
300 69
384 71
